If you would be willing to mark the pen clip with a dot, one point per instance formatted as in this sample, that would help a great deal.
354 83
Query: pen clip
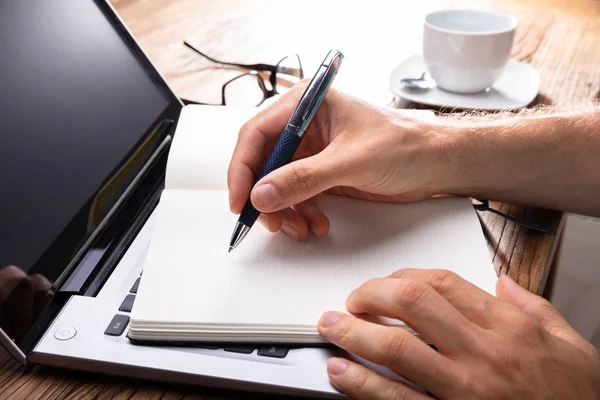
314 97
316 91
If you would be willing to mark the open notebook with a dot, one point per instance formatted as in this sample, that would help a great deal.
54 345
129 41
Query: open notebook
272 288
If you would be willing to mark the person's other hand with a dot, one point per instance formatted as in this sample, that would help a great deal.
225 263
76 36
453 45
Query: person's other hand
351 148
516 346
22 297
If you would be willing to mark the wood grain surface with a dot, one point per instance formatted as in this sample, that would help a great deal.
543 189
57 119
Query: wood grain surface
561 38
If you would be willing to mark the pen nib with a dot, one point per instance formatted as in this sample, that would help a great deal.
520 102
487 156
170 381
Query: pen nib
239 233
229 251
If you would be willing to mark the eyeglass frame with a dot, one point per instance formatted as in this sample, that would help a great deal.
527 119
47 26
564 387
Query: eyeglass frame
254 71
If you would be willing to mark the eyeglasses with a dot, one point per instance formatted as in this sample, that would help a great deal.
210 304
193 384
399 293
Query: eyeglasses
242 89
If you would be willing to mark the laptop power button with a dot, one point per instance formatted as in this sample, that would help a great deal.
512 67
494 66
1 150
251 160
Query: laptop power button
65 333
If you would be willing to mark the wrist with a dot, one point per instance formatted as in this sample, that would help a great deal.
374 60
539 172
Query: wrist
493 156
527 158
473 158
430 149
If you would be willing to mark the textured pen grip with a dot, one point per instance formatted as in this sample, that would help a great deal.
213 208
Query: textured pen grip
282 154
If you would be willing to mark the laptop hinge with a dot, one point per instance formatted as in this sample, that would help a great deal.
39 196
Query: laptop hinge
12 348
87 264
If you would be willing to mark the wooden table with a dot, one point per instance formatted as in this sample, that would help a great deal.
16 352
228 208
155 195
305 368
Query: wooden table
560 38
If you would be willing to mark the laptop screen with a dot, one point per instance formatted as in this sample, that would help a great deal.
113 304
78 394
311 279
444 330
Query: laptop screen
79 114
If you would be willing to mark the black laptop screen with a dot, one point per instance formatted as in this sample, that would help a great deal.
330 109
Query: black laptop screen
77 107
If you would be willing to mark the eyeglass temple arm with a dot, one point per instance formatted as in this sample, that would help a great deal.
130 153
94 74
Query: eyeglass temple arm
256 67
484 205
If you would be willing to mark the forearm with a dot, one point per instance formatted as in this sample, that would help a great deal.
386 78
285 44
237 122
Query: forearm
550 160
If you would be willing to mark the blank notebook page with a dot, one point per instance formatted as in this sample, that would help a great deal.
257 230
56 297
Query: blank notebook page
270 279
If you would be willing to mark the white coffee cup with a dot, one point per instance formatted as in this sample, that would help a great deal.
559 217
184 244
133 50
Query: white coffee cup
465 51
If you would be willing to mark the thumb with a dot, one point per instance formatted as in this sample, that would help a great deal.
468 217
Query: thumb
537 307
295 182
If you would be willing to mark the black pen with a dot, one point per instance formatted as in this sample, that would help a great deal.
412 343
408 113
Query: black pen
290 138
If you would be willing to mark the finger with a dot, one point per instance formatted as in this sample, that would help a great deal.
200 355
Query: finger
20 307
271 221
538 308
255 137
294 225
298 181
419 306
40 283
390 346
288 221
41 286
317 221
10 277
478 306
360 382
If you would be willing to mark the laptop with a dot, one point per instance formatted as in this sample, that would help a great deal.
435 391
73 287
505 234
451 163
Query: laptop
85 128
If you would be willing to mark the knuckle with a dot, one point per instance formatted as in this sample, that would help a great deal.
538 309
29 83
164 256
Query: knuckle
359 380
401 273
394 392
541 307
498 359
463 381
409 292
394 345
443 280
247 128
344 333
529 329
303 180
473 388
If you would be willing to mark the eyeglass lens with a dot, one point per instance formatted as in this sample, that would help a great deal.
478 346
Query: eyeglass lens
243 90
289 72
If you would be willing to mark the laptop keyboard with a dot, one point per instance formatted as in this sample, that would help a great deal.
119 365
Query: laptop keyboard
127 304
119 323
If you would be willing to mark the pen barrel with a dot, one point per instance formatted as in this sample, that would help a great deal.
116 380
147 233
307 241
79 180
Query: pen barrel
282 153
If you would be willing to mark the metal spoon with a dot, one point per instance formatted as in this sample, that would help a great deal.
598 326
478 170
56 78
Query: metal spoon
418 83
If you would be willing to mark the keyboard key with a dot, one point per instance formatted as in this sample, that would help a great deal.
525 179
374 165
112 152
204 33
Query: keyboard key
135 286
127 304
117 325
276 352
239 349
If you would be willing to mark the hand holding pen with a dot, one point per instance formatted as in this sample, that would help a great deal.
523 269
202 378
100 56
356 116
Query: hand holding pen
292 135
351 148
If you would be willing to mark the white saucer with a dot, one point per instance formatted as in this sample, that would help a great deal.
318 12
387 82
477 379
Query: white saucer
518 86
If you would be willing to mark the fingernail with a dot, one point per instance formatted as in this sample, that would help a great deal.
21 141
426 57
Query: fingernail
337 366
290 230
267 197
330 318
